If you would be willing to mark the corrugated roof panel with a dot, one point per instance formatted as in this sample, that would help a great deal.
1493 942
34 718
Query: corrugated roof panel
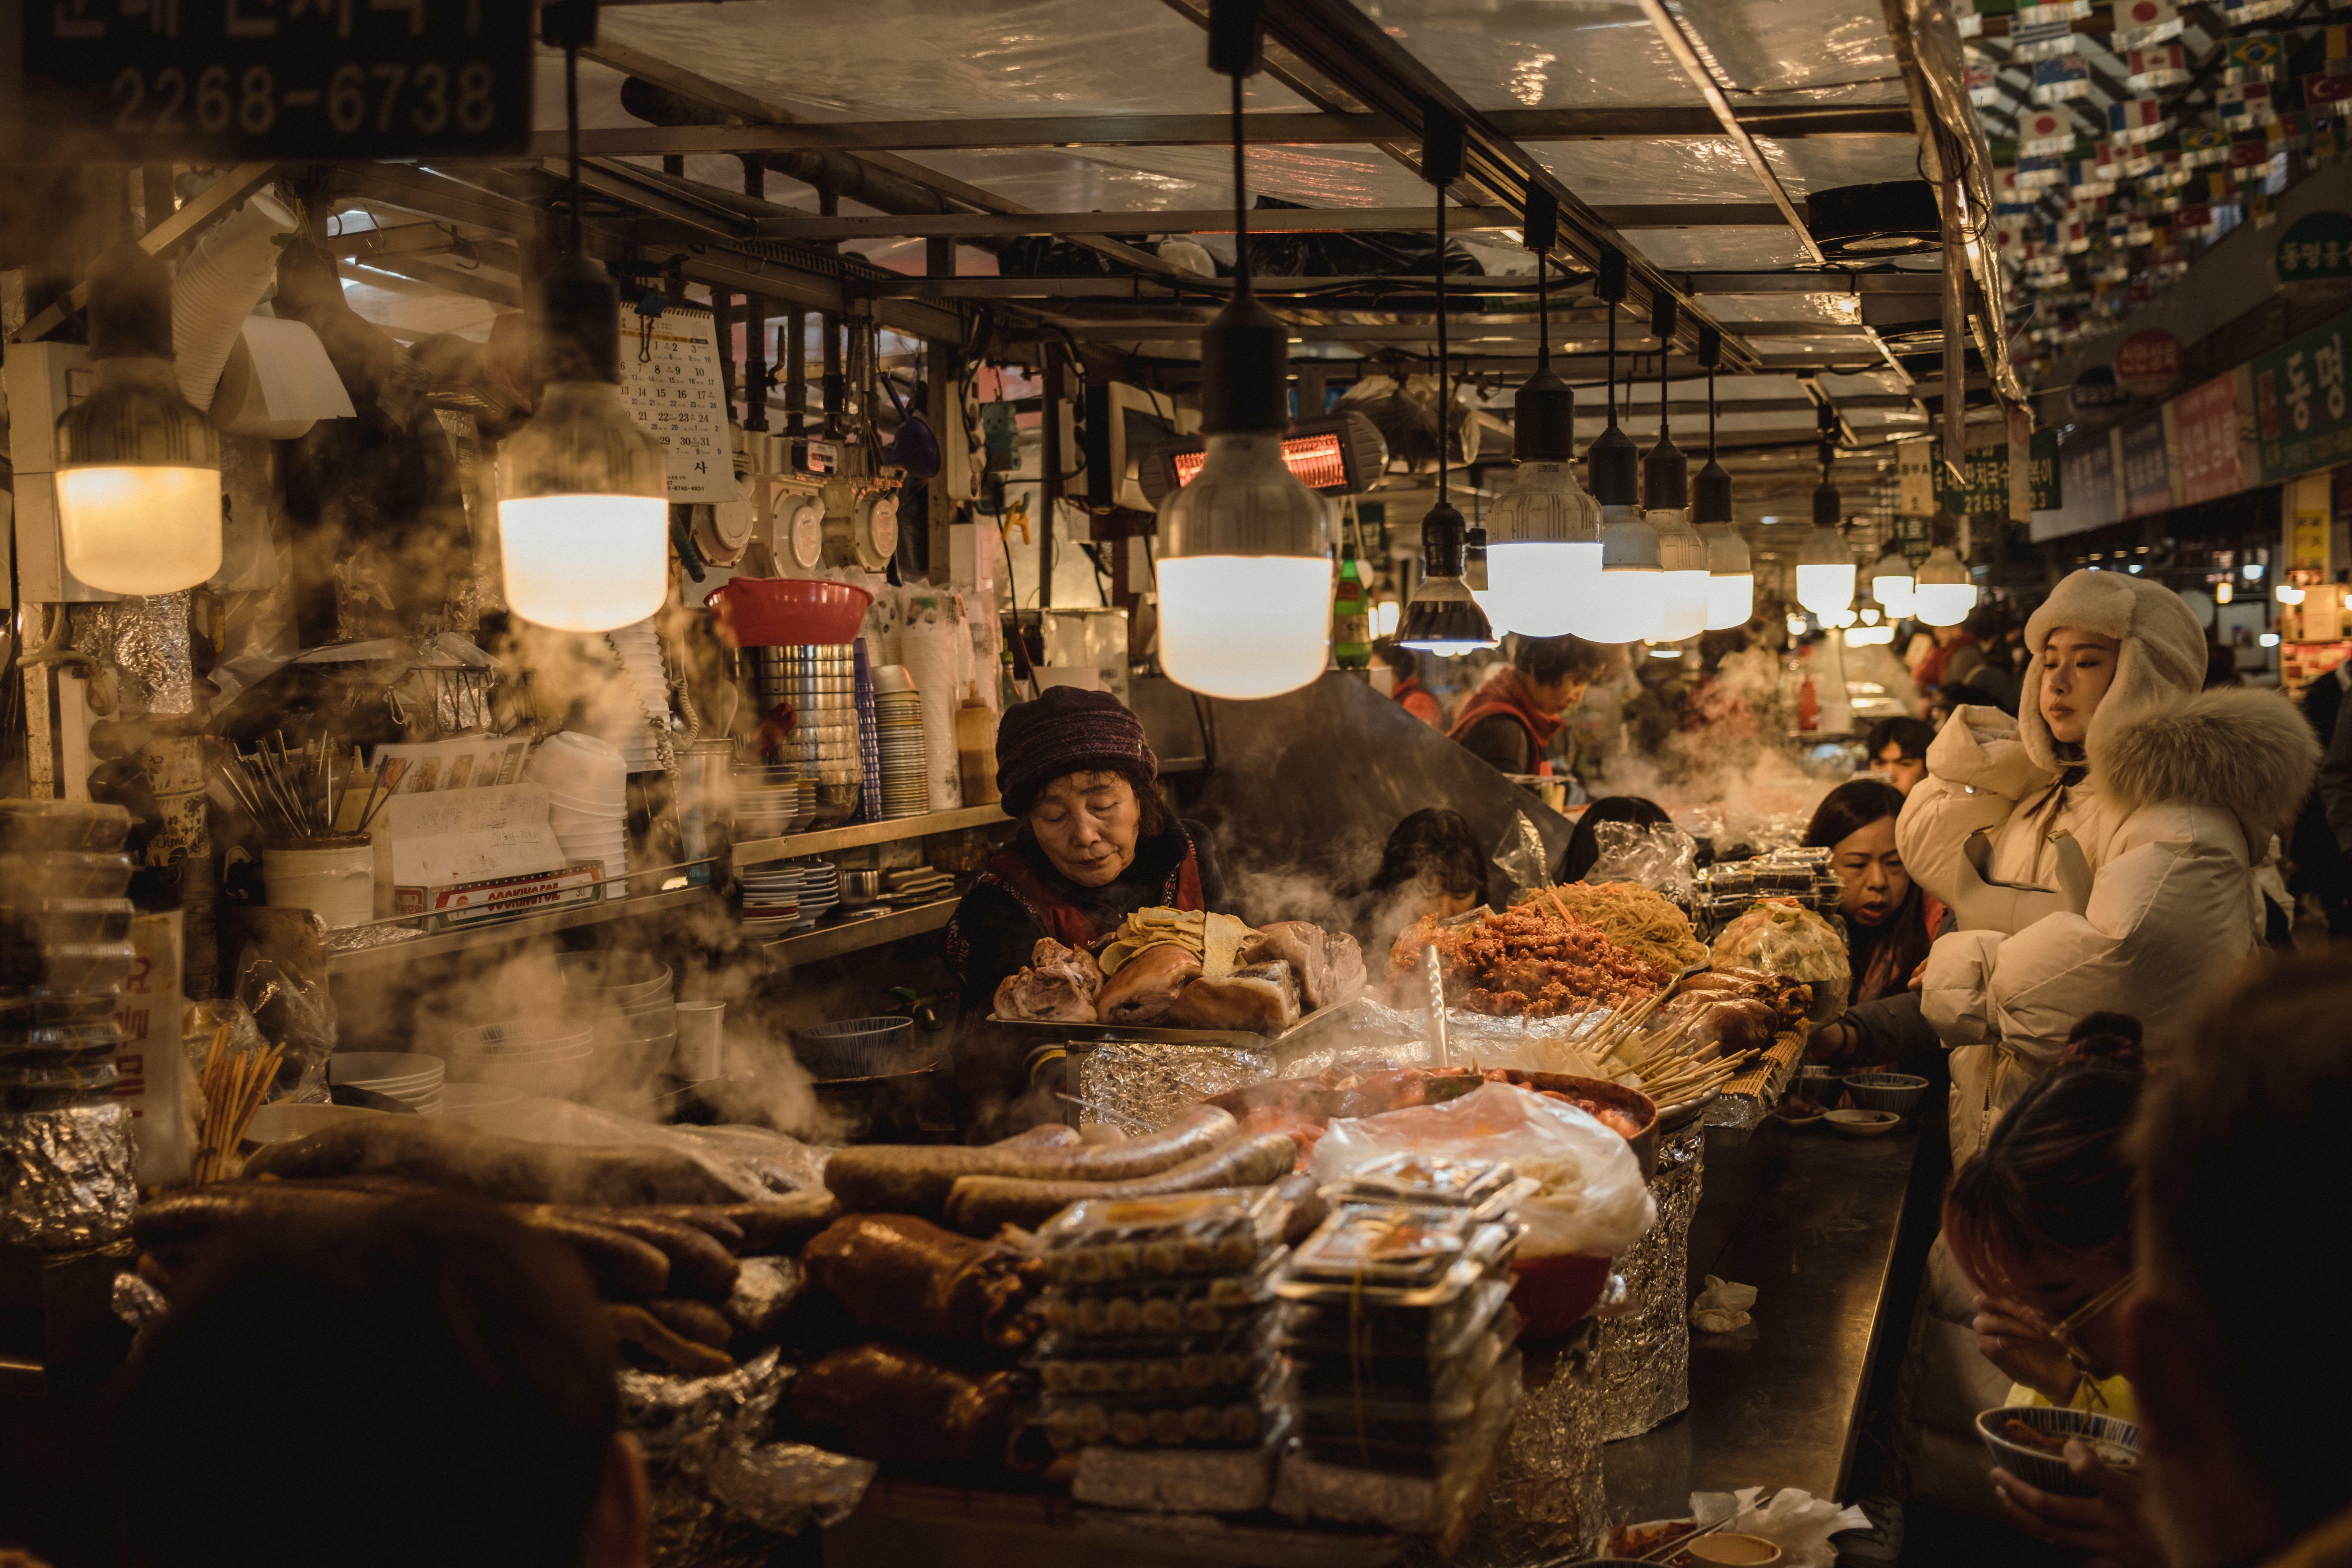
1703 249
1538 54
1838 51
1824 162
1696 169
1729 309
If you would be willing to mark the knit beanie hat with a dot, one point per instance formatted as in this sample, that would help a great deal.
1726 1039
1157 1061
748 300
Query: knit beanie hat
2161 661
1067 731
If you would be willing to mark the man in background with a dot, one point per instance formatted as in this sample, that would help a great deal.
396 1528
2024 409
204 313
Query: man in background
1898 751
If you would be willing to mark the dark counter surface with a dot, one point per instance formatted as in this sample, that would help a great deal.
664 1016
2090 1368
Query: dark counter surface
1810 1218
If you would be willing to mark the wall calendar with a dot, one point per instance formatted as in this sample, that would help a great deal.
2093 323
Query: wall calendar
669 379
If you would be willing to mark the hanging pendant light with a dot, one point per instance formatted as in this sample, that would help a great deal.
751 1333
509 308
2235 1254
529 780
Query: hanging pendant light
1825 571
1665 506
1631 602
583 492
1244 563
138 479
1730 576
1544 533
1444 618
1946 593
1891 582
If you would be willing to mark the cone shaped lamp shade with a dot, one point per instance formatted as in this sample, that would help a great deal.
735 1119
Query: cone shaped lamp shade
1945 592
138 480
1890 583
583 493
1444 616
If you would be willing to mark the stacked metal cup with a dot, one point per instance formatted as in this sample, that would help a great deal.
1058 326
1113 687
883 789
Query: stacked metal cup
819 682
66 1176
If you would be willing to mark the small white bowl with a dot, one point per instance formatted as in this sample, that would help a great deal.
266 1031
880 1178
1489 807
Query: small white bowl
1863 1124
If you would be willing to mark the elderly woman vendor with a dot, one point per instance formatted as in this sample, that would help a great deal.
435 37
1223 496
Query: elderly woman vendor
1094 844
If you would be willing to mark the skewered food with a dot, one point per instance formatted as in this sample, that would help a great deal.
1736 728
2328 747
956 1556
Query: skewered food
1527 962
1629 914
1263 998
907 1278
1146 985
1060 985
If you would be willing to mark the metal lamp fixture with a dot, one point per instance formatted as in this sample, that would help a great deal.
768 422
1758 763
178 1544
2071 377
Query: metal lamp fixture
1825 571
1665 506
1631 602
1890 583
139 481
1444 616
583 493
1244 567
1544 535
1730 575
1946 593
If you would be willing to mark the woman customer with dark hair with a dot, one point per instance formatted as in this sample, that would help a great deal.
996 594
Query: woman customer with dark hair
1511 720
1890 922
1584 843
1430 866
2039 1221
1095 843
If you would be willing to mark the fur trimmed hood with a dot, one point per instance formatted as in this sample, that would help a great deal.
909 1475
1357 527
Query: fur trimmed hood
2160 661
2236 749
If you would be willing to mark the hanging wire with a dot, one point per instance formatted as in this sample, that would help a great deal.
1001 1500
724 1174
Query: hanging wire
1443 411
1241 200
571 132
1710 414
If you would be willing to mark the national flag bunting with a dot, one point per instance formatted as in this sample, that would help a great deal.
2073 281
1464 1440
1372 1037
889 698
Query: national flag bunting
2156 65
2242 107
2042 41
2138 120
2327 86
2145 22
2254 58
2044 131
1984 85
2202 146
2045 173
2059 81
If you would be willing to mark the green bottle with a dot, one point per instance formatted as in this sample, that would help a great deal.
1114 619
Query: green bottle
1351 616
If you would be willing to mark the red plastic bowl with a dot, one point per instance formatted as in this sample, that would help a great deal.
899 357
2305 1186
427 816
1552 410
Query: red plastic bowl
1555 1294
783 612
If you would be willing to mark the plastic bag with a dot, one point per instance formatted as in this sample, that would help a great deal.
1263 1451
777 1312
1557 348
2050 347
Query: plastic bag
1591 1202
1722 1307
1520 856
1663 859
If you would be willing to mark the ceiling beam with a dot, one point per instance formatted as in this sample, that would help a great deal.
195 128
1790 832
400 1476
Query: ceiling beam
1262 220
224 193
1824 282
1464 335
1273 128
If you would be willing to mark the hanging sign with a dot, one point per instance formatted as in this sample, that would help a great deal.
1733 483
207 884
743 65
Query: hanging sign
2314 247
1985 487
317 80
669 379
2301 411
2086 471
2145 467
2149 363
2206 440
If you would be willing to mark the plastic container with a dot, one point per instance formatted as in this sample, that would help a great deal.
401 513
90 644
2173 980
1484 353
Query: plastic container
64 874
1170 1308
1107 1243
1336 1327
1896 1091
34 827
780 611
1415 1178
1394 1247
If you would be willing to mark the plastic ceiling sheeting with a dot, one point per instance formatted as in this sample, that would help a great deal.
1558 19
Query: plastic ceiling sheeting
1703 249
1866 382
1538 54
1693 169
1824 162
950 59
413 310
1346 175
1834 49
1843 308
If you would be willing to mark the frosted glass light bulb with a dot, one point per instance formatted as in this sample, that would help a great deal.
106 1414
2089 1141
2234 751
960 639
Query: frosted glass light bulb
1632 604
1543 552
1244 576
583 513
136 530
1891 585
1682 556
1945 592
1730 580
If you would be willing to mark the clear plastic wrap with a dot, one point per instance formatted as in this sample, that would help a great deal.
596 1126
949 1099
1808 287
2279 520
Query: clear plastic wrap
1663 859
1521 857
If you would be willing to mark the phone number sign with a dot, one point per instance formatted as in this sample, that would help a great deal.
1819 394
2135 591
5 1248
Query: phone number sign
315 81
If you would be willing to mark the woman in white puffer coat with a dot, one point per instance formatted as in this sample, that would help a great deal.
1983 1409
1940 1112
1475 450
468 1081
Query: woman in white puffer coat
2125 812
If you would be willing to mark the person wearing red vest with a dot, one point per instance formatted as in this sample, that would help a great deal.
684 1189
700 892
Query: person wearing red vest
1094 844
1510 721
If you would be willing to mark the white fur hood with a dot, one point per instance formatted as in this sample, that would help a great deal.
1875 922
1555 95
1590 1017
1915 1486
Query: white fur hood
2235 749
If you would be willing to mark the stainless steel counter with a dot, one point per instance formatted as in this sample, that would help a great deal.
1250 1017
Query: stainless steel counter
1811 1219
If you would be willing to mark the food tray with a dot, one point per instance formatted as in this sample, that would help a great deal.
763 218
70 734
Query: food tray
1237 1422
1387 1248
1074 1364
1382 1332
1442 1387
1108 1242
1410 1177
1160 1307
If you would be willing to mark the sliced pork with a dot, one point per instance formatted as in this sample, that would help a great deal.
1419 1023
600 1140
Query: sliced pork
1263 998
1146 985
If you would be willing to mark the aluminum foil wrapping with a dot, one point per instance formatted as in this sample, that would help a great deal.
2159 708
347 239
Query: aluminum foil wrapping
1547 1500
147 641
1643 1364
66 1177
1142 1086
722 1493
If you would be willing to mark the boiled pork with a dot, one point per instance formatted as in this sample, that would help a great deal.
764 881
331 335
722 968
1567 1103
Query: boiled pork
1059 986
1327 966
1146 985
1263 998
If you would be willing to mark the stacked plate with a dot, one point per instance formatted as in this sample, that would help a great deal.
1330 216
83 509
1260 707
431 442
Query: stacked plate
647 686
587 786
898 730
819 684
814 885
414 1080
923 885
771 895
549 1058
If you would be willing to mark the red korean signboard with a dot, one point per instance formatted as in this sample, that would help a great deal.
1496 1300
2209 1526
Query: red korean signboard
2149 363
2205 441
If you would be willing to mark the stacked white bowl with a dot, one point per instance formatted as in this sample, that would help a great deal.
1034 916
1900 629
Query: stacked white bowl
414 1080
627 1000
587 784
898 732
549 1057
643 675
773 802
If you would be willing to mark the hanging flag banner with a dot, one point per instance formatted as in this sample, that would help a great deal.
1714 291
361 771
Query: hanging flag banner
2194 220
2091 177
2061 80
2249 153
2207 441
2030 42
2316 247
2155 65
2244 13
2302 416
2254 58
2043 131
2137 163
2045 173
2202 146
2242 107
2034 13
2136 120
2145 22
2166 172
1984 85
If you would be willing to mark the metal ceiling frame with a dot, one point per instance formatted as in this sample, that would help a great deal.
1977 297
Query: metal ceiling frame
1262 220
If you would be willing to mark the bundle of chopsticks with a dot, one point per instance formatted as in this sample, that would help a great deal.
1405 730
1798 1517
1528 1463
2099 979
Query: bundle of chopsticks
301 792
233 1085
1678 1067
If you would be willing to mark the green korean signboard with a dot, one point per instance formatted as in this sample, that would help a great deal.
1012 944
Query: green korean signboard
1987 487
2316 247
2303 409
